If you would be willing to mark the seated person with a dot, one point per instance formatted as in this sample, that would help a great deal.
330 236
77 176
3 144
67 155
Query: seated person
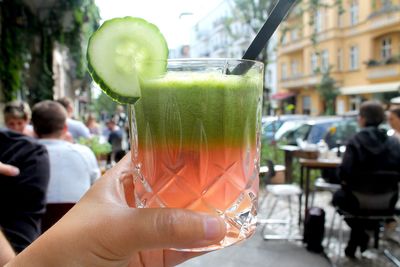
76 128
22 190
369 151
73 167
17 116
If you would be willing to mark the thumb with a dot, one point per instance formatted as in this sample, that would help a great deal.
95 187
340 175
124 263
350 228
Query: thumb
8 170
169 228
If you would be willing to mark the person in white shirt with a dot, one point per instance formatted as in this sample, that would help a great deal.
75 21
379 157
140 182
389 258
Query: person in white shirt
76 128
73 167
394 121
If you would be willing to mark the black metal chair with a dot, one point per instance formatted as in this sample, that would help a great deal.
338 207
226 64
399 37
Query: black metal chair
376 199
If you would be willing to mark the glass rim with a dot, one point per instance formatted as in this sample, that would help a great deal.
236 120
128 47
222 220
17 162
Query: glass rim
212 60
206 60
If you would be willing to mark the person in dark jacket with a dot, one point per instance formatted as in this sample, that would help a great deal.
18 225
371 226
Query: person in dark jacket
370 151
23 194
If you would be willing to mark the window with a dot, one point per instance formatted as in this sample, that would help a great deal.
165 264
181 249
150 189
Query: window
283 71
354 12
294 68
339 63
284 39
355 102
386 48
325 60
339 18
353 58
294 34
318 21
269 78
314 63
306 105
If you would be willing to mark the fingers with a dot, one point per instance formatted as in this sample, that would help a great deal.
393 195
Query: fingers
142 229
8 170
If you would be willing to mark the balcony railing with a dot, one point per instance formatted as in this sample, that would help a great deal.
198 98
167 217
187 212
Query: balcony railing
300 81
293 46
391 16
379 70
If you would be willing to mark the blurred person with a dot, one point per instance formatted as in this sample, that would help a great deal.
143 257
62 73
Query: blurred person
105 229
24 178
73 167
120 117
75 127
93 125
115 139
367 152
17 116
394 121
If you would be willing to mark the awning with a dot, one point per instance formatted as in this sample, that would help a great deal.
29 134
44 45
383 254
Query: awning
370 88
282 95
395 100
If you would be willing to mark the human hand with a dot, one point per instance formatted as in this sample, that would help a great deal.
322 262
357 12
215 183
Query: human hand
104 229
8 170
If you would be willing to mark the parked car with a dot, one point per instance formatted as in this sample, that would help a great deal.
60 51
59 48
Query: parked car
340 132
272 124
310 131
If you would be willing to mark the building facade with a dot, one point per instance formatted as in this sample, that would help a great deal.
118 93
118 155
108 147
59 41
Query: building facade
358 42
211 38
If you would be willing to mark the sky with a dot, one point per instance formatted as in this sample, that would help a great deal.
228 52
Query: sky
166 14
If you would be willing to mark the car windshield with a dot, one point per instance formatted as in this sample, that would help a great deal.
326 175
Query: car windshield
272 127
287 127
318 132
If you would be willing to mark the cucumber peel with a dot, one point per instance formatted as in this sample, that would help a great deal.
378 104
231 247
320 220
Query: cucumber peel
123 53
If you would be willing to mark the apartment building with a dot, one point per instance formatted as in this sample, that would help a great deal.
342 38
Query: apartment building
210 38
360 45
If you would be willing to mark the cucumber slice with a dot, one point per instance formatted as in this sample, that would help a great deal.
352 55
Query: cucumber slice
122 53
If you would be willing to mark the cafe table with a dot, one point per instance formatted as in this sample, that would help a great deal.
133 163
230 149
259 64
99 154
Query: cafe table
313 164
292 152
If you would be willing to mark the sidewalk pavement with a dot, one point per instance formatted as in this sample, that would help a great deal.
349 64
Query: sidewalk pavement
257 252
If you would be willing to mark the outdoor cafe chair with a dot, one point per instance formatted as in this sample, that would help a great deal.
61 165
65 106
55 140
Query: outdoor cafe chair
278 192
376 206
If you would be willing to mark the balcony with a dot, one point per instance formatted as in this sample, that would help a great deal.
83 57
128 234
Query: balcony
384 17
300 81
293 46
379 71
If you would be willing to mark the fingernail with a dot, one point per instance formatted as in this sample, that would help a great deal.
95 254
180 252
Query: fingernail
14 171
212 228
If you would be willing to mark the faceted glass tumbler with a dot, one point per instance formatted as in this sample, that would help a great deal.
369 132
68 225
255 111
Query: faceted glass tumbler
195 142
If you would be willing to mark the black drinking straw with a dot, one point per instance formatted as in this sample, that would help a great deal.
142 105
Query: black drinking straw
278 13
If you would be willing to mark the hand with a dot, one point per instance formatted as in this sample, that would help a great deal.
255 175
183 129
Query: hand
8 170
104 229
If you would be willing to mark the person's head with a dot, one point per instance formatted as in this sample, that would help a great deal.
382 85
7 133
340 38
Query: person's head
67 104
17 115
49 119
91 118
371 114
120 109
111 124
394 118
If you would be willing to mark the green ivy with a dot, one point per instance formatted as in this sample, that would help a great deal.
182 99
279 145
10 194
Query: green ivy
17 39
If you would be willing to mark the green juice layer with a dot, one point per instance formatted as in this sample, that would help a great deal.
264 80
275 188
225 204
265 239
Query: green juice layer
183 108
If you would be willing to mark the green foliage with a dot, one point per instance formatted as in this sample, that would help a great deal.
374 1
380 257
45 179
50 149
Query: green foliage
95 145
14 49
104 103
329 91
28 41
